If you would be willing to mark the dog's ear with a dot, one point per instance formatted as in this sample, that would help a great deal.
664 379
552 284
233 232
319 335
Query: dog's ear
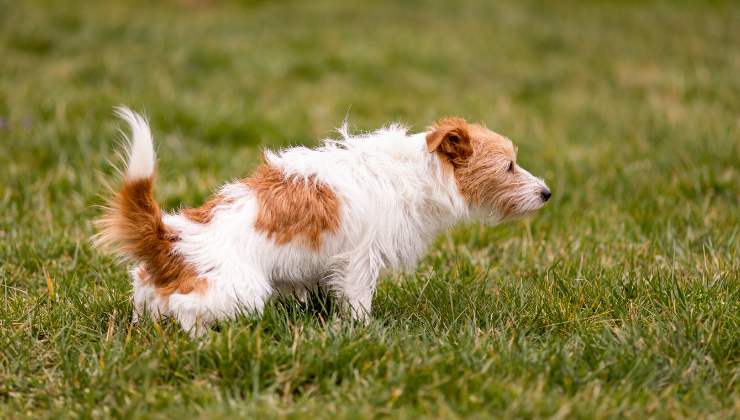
450 137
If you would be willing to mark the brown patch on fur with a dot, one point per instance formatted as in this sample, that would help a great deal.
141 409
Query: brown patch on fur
190 283
204 213
143 275
292 207
481 172
133 225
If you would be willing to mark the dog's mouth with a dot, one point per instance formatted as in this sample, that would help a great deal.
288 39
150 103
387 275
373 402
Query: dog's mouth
495 216
519 215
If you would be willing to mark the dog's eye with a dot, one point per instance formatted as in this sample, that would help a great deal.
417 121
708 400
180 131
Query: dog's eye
511 166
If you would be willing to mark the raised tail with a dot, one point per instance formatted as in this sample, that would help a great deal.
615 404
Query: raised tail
140 157
132 223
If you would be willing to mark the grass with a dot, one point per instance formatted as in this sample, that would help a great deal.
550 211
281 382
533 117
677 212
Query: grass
621 298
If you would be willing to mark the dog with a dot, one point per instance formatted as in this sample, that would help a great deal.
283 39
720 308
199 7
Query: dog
334 217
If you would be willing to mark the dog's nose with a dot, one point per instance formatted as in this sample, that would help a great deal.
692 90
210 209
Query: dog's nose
545 194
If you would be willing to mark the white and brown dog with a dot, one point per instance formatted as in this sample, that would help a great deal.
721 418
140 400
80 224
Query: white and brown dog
334 216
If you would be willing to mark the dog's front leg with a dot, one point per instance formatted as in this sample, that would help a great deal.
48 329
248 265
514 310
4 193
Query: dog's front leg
356 287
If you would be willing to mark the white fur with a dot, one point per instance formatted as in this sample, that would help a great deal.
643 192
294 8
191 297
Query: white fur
394 195
141 158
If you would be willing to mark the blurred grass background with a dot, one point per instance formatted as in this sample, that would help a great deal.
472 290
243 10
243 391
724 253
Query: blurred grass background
621 298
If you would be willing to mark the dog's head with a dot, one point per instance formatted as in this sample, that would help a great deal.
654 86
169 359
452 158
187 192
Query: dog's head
485 169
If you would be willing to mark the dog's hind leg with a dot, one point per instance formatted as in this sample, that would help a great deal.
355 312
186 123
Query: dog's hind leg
230 292
145 298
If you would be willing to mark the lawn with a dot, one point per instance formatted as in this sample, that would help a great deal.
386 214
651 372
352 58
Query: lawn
620 298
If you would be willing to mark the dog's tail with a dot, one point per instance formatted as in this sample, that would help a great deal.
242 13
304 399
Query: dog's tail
132 223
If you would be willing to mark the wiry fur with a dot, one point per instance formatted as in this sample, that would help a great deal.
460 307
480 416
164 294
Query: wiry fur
334 216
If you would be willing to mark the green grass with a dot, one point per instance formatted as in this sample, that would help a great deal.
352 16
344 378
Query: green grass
620 298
